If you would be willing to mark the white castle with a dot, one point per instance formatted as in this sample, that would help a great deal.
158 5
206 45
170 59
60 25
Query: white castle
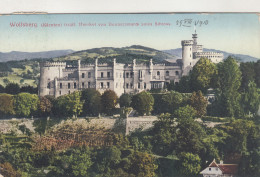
58 78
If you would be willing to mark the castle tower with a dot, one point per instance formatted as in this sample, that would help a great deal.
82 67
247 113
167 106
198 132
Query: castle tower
48 72
187 54
194 37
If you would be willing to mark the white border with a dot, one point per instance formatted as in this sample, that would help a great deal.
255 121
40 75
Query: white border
128 6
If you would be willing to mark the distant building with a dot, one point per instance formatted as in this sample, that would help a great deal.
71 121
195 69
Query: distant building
220 170
58 78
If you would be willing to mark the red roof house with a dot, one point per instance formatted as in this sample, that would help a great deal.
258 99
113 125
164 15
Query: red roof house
220 170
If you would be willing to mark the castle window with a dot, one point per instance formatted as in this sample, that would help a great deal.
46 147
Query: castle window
108 85
75 85
49 85
89 74
167 73
102 74
176 73
101 84
60 85
127 75
144 85
69 91
88 84
131 85
209 169
108 74
60 92
131 74
127 85
139 85
82 84
68 85
158 73
83 75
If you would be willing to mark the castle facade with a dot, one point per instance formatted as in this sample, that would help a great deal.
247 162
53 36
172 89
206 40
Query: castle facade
58 78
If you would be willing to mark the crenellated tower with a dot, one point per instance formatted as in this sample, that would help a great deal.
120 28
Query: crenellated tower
48 72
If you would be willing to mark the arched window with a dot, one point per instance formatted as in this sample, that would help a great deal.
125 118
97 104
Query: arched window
176 73
167 73
158 73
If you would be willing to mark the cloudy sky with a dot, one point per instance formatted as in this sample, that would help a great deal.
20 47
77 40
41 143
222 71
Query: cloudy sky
231 32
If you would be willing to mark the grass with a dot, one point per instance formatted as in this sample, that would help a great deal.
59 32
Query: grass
16 79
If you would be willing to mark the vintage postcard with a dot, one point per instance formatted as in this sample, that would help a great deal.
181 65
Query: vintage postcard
163 94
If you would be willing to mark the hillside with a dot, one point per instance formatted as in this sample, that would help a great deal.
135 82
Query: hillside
16 55
123 55
242 58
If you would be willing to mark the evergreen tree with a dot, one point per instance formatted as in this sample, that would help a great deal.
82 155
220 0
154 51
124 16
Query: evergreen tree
228 96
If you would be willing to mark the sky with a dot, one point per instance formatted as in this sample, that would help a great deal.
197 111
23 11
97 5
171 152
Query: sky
232 32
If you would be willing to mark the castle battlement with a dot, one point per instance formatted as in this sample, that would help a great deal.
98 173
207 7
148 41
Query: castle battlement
70 69
187 42
87 65
159 64
53 64
208 53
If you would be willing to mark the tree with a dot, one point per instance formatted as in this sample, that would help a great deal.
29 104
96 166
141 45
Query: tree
45 106
125 100
248 73
185 112
29 89
190 134
69 105
92 102
8 170
199 103
172 100
142 164
244 136
251 99
6 104
257 73
228 96
12 88
189 163
25 104
2 89
109 101
184 86
164 135
202 74
143 103
72 163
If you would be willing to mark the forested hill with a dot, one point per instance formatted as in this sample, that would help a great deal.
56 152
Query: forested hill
123 55
242 58
16 55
